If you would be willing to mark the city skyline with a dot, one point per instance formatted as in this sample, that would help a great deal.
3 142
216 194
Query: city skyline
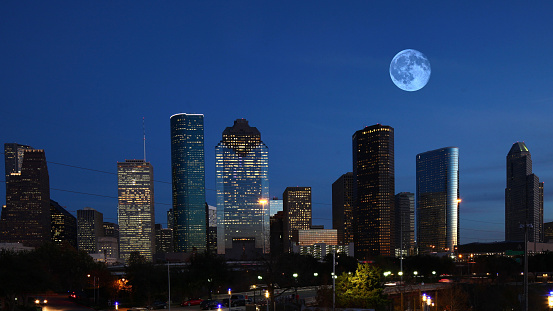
307 75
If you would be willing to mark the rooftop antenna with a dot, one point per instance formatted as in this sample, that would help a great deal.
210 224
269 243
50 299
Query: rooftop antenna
144 135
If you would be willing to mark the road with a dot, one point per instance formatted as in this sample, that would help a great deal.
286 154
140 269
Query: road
62 303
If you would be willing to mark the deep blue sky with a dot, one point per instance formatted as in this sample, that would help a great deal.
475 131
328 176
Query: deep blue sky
76 78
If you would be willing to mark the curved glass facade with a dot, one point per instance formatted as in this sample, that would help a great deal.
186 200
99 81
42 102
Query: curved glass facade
438 200
188 176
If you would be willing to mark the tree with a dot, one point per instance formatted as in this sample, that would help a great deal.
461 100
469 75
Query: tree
145 280
361 289
208 271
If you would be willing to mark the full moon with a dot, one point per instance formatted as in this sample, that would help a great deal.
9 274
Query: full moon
410 70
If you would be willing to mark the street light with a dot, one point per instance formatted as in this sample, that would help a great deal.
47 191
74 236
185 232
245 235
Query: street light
267 298
94 288
229 295
295 275
263 203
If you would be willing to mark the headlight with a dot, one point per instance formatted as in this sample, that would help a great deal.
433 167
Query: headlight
37 301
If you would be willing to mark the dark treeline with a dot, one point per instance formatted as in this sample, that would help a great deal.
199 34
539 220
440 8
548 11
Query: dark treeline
61 269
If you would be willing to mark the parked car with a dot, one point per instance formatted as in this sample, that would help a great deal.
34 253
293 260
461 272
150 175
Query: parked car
210 304
237 300
158 305
191 302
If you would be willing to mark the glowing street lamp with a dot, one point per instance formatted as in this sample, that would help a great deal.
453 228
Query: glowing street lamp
263 203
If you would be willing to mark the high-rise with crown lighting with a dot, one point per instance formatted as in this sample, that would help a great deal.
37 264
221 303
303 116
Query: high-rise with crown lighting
438 200
26 217
523 197
373 191
136 208
188 180
242 178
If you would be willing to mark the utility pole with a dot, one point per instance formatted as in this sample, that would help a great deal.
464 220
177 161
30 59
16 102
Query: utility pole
334 280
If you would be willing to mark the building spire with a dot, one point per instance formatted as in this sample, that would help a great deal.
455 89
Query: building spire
144 135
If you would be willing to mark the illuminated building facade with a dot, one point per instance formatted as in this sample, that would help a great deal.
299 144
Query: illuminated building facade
211 229
297 213
242 178
405 223
136 208
275 206
342 207
188 179
90 227
438 200
64 225
523 197
314 236
26 217
373 191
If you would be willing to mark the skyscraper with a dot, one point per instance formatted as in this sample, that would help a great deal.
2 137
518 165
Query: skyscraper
342 207
373 191
90 227
438 200
275 206
523 197
405 223
188 174
297 213
26 218
242 177
64 225
211 228
13 158
136 208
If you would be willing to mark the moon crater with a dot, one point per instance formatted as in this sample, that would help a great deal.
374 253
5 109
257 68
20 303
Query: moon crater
410 70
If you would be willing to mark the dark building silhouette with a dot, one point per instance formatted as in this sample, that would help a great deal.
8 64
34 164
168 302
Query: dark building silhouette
90 227
523 197
548 232
26 216
111 230
13 158
277 233
374 190
164 239
297 213
342 208
64 225
405 223
438 200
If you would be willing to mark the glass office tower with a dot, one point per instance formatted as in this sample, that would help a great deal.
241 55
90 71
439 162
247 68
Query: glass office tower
242 177
438 200
136 208
523 197
373 191
188 174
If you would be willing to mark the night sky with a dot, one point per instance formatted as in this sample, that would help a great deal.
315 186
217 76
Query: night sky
77 77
